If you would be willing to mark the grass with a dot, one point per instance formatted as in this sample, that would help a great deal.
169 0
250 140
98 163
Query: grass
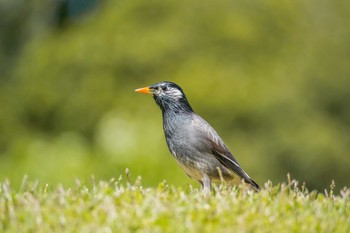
125 206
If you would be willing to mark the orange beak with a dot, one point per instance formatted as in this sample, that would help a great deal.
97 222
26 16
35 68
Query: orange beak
145 90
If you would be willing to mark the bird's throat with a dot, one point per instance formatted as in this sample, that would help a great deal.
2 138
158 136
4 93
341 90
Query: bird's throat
170 106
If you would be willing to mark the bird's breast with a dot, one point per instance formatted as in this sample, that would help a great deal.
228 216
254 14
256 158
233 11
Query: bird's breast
179 136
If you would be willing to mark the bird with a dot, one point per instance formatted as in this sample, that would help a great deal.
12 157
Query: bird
193 142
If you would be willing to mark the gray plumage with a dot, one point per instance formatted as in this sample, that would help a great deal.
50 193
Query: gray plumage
196 146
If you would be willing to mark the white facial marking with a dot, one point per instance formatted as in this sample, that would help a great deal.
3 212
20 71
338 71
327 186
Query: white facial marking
170 91
174 92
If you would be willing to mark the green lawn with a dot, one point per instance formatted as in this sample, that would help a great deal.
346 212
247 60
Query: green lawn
122 205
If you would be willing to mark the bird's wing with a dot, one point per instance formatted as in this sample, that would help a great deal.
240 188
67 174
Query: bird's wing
227 160
222 153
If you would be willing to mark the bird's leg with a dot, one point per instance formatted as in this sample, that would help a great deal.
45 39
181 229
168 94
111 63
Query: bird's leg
205 182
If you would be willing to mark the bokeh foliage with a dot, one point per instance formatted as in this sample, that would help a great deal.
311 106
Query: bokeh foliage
271 76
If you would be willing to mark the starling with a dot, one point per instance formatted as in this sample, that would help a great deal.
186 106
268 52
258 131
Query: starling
195 145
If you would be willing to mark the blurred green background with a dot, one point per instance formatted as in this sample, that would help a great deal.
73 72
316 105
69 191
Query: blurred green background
272 77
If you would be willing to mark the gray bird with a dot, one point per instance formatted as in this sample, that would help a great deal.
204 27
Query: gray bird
195 145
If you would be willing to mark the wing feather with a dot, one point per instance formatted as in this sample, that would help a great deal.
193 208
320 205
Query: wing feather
221 152
228 161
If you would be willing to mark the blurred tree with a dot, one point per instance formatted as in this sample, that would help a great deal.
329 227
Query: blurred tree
270 76
21 20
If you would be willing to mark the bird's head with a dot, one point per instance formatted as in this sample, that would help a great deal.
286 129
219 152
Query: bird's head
168 95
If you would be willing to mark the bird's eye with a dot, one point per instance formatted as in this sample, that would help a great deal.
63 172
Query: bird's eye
164 88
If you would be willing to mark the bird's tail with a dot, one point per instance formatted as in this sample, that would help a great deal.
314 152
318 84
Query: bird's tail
253 184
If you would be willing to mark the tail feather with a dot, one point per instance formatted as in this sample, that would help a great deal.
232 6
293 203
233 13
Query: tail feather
253 184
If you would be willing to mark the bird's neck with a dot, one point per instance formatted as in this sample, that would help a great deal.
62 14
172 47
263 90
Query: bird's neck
178 108
174 113
173 120
171 106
